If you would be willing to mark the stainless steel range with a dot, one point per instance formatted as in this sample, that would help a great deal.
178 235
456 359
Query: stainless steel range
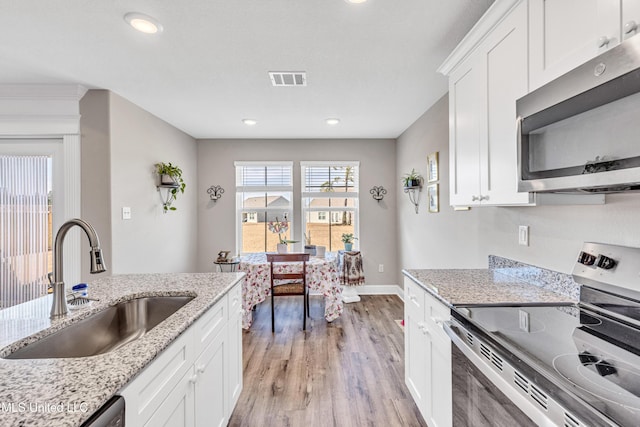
573 365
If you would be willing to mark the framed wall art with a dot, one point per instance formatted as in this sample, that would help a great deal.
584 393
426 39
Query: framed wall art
432 167
433 198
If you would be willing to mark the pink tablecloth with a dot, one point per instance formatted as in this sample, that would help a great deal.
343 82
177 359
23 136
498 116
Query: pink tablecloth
322 275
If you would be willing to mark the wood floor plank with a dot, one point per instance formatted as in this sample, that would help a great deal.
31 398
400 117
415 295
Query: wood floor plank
346 373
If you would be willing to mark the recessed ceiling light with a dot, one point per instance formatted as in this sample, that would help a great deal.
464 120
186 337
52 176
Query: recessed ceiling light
143 23
355 1
250 122
332 121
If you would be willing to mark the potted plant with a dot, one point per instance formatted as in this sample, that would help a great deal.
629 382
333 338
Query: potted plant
412 179
280 227
170 176
347 239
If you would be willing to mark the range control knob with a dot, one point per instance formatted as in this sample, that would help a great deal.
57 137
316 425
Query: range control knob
586 258
605 368
587 358
605 262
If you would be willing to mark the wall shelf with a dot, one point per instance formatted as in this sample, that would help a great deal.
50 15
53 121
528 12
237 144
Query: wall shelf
414 195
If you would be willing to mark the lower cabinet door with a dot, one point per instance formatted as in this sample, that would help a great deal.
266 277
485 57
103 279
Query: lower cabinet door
177 410
234 357
417 363
440 389
211 367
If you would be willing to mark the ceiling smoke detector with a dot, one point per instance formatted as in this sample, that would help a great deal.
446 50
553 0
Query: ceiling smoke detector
288 78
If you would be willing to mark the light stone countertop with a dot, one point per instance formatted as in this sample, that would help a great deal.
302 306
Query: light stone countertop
33 392
482 287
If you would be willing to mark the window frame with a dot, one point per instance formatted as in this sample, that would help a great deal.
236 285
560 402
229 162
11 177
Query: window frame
242 189
355 195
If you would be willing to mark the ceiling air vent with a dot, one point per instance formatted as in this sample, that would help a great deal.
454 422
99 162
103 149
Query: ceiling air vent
288 78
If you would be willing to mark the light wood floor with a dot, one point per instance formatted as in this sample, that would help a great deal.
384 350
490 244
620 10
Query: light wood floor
346 373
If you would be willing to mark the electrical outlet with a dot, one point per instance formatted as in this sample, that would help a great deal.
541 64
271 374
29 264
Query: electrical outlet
523 235
126 212
381 268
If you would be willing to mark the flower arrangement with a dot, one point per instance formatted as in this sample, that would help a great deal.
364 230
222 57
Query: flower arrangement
280 227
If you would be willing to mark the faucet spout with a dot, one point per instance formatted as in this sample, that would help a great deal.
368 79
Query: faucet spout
59 307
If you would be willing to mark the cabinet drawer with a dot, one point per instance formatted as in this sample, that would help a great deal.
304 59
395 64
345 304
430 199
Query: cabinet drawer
414 299
213 321
146 392
436 312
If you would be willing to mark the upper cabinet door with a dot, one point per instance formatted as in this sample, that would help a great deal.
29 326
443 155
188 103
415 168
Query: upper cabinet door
505 59
466 98
567 33
630 18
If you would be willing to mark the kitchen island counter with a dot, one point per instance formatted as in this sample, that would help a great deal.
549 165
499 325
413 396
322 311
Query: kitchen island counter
65 392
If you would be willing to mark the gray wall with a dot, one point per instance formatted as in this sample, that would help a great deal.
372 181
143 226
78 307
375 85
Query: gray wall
121 143
95 172
447 239
377 235
453 239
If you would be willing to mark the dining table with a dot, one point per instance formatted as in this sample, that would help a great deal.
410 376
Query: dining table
322 276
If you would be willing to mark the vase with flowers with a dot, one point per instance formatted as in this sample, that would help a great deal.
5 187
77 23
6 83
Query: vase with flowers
280 228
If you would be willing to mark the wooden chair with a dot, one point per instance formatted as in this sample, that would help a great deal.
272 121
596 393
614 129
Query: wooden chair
294 283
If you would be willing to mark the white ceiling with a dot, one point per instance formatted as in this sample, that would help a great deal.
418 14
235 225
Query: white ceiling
372 65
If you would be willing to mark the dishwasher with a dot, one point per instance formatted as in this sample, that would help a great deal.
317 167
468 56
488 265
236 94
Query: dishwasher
111 414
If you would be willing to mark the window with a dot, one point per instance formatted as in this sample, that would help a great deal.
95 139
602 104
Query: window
263 193
25 227
329 187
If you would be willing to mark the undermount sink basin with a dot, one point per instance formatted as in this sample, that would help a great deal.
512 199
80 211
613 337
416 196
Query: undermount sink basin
105 330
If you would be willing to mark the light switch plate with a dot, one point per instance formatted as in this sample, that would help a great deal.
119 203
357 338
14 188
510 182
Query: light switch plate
523 235
126 212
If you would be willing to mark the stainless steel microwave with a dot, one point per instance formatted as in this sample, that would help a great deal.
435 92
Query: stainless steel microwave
581 132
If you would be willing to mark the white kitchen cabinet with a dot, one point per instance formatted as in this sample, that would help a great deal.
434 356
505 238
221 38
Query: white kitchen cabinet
234 349
196 381
177 408
630 18
210 384
566 33
427 355
482 93
144 396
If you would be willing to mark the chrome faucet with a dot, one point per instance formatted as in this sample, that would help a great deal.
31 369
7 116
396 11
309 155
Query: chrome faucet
59 307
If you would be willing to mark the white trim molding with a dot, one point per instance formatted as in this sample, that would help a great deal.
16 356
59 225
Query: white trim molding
492 17
51 111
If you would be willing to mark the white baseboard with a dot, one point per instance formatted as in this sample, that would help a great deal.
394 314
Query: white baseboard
375 290
379 290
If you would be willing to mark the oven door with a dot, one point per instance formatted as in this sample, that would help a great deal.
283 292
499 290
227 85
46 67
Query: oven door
488 391
477 402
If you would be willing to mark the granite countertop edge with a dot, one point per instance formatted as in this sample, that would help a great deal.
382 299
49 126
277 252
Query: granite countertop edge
65 392
475 287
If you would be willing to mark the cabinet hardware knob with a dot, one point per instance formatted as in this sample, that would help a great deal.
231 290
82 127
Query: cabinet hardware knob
193 379
475 198
201 369
630 27
603 41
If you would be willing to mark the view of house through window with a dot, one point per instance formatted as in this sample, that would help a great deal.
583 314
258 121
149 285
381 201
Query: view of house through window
329 202
263 194
25 227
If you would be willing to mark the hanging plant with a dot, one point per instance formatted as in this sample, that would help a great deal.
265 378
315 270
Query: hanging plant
171 178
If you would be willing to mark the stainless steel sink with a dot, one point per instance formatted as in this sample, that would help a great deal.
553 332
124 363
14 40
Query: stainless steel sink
104 331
